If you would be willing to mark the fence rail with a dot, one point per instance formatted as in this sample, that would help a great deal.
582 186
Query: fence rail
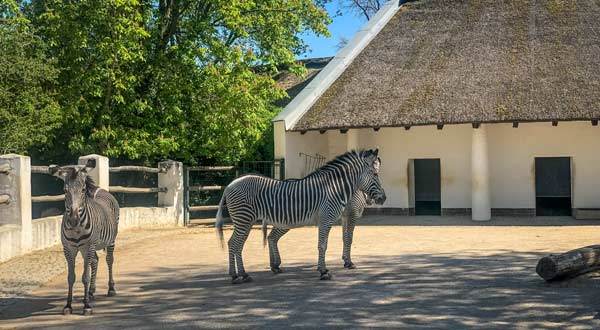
205 188
211 168
203 208
138 169
48 198
134 190
40 169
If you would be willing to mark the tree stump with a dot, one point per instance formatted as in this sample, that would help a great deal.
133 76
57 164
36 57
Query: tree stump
569 264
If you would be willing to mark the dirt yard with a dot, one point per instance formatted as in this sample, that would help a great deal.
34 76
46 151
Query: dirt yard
413 273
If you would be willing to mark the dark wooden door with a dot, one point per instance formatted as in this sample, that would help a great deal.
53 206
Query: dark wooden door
428 190
553 186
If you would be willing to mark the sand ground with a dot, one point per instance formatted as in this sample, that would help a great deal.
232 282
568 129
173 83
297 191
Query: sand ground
413 273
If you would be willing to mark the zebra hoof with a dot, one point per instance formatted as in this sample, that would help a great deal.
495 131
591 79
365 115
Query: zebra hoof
247 279
67 310
111 293
90 296
276 270
326 276
238 280
87 311
349 265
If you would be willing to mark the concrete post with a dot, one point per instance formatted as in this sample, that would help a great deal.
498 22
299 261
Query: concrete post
16 183
100 174
172 179
480 179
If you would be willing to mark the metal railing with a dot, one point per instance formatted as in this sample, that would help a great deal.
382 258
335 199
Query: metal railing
311 163
274 169
137 169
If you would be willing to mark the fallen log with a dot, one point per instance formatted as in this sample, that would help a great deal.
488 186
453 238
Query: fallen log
569 264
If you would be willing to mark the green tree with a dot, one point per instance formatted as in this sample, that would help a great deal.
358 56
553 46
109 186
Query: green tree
29 114
181 79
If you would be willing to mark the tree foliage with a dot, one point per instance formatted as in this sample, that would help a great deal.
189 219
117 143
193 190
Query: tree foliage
180 79
29 114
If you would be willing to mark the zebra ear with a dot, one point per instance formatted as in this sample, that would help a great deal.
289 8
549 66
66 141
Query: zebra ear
56 171
89 165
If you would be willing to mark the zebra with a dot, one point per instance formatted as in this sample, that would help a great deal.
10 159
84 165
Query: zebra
353 212
318 198
90 223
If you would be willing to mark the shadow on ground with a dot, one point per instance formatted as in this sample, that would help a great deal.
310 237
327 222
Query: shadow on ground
444 291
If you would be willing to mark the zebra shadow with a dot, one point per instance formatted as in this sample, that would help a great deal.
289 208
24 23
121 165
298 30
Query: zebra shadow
35 305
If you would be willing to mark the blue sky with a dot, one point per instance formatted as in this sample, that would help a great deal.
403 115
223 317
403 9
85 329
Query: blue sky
342 26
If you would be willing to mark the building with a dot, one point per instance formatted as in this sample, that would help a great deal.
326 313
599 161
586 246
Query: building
478 107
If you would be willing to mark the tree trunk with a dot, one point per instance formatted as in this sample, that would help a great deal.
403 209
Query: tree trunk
569 264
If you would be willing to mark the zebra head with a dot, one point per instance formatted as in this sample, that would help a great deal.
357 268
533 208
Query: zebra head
78 185
369 181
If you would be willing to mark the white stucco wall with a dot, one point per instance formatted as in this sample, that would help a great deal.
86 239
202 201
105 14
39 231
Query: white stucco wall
309 143
511 152
512 161
397 146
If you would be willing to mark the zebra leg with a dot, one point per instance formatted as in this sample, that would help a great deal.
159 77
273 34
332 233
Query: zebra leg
274 237
70 257
324 229
87 309
236 245
94 263
348 225
109 261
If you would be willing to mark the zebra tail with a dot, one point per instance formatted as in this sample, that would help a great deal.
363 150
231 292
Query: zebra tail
220 220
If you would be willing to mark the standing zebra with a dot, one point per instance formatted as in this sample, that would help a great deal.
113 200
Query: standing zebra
90 223
353 212
318 198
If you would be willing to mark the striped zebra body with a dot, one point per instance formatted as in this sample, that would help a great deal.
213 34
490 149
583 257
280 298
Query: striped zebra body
319 198
90 224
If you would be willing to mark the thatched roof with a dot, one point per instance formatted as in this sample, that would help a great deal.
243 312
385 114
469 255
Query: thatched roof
293 83
457 61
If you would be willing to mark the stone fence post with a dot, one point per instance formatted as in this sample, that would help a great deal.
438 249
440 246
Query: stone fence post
15 200
100 174
172 179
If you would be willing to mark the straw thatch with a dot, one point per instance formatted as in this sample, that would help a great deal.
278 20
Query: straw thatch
464 61
293 83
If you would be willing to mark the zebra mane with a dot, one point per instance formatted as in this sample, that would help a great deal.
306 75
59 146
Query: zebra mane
341 159
90 185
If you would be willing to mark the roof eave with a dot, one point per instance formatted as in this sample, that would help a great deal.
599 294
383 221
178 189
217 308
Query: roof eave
594 122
